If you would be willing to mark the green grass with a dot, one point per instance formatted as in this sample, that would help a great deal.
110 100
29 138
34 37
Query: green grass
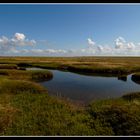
43 115
132 97
40 75
30 75
119 115
18 86
8 91
27 109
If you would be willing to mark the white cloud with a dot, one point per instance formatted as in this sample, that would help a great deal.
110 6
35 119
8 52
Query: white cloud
19 36
4 41
16 46
11 45
100 47
43 52
121 47
18 40
119 42
90 42
130 45
55 51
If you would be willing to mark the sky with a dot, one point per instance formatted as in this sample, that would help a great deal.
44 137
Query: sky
69 29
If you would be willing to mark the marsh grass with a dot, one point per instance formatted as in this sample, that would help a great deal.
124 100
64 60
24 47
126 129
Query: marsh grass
111 65
100 65
132 97
32 75
136 78
43 115
18 86
40 75
27 109
122 116
40 114
9 89
8 66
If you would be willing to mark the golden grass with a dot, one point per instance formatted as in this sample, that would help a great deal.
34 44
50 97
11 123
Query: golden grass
127 64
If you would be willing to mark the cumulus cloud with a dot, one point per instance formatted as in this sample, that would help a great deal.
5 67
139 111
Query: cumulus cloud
19 36
120 48
130 45
18 40
93 47
10 45
16 44
20 45
90 42
119 42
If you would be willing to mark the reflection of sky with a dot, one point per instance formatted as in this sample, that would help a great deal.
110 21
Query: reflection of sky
86 88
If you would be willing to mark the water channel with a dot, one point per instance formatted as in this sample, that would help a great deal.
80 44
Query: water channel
86 88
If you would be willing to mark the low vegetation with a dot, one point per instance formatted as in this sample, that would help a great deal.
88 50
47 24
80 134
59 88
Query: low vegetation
27 109
132 97
111 65
35 75
8 66
121 116
34 112
136 78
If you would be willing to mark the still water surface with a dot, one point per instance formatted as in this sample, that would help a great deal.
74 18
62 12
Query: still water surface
87 88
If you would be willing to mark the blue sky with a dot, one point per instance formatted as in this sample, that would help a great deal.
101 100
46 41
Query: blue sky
71 27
